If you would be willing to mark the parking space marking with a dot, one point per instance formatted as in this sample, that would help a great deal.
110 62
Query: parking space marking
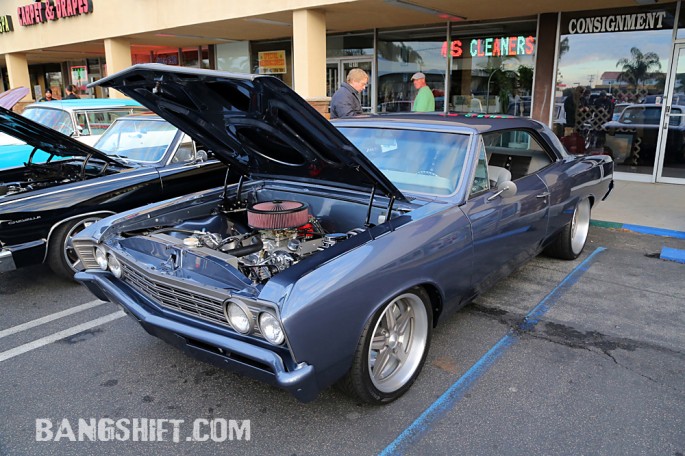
49 318
4 356
446 402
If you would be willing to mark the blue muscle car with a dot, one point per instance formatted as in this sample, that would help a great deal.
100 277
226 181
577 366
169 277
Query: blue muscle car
343 244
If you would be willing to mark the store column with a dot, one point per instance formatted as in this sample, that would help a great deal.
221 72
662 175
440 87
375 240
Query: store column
309 57
118 57
18 73
544 67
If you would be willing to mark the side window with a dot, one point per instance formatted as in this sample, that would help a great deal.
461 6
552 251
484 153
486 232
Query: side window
517 151
480 180
82 123
98 122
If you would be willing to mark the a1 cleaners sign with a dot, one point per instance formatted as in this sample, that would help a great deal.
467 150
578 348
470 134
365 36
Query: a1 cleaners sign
40 12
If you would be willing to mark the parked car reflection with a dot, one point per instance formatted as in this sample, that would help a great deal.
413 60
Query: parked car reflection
632 139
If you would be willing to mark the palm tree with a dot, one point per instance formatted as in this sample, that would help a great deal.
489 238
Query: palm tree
639 67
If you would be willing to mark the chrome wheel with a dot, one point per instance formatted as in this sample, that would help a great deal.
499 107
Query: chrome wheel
398 343
70 257
580 225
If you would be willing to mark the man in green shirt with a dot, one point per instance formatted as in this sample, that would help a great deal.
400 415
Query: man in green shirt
424 101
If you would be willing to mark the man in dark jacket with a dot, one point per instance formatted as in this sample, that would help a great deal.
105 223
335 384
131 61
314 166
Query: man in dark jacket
346 101
70 92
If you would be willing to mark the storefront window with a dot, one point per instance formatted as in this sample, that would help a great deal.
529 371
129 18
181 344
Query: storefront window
349 45
274 58
402 53
609 62
196 57
492 67
233 57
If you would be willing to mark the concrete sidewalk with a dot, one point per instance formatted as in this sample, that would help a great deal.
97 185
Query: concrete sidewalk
632 205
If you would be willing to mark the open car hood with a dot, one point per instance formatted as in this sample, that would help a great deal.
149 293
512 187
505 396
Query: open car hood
10 97
255 123
47 139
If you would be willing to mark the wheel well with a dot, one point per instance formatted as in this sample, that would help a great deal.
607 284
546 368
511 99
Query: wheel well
436 300
57 225
592 200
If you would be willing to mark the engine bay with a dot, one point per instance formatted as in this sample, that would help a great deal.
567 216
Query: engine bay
260 240
35 176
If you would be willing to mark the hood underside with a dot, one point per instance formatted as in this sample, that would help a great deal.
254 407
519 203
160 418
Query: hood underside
255 123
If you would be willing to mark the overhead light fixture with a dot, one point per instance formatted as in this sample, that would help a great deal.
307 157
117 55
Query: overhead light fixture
426 10
259 20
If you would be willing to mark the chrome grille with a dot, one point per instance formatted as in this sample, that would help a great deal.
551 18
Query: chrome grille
173 296
86 252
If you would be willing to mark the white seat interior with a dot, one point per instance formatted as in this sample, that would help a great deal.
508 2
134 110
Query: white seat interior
498 175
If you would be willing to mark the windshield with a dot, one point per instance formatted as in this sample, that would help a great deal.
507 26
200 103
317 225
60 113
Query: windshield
51 118
414 161
142 140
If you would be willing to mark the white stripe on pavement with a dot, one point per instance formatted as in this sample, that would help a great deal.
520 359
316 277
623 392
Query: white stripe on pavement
4 356
49 318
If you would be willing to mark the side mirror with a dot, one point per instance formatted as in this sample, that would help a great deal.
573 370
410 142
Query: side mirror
506 189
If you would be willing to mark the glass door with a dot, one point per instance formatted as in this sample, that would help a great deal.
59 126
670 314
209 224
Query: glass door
671 157
336 73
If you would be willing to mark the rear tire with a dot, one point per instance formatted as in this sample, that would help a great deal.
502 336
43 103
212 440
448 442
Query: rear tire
392 349
571 240
62 257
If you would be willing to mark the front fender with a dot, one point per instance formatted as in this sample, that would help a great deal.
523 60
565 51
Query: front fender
326 310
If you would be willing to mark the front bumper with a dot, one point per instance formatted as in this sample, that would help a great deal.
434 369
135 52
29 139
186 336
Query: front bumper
222 351
21 255
6 261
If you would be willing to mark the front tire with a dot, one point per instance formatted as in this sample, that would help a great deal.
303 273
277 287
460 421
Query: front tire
392 349
571 240
62 257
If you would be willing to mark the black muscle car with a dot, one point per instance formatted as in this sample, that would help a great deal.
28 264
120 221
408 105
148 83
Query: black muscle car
43 205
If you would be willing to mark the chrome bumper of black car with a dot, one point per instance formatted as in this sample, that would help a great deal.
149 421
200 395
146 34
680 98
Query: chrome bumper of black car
6 261
236 355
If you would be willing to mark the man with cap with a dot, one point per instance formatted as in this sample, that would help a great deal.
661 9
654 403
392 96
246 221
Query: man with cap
424 101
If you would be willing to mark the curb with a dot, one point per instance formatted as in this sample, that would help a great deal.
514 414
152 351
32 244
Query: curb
639 229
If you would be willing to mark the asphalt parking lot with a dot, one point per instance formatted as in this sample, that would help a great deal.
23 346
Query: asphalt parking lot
581 357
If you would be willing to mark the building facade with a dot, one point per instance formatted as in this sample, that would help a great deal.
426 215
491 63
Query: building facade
571 64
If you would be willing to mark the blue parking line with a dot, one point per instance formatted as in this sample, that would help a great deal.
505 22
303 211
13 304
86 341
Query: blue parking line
639 229
670 254
446 402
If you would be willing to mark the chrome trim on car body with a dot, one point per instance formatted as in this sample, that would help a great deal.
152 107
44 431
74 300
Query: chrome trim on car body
262 363
206 303
6 261
71 189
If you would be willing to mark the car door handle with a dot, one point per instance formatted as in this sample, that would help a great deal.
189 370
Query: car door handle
543 195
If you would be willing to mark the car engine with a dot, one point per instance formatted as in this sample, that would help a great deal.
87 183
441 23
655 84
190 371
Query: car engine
281 234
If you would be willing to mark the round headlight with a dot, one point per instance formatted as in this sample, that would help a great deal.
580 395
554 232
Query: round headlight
239 316
114 266
101 257
271 328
